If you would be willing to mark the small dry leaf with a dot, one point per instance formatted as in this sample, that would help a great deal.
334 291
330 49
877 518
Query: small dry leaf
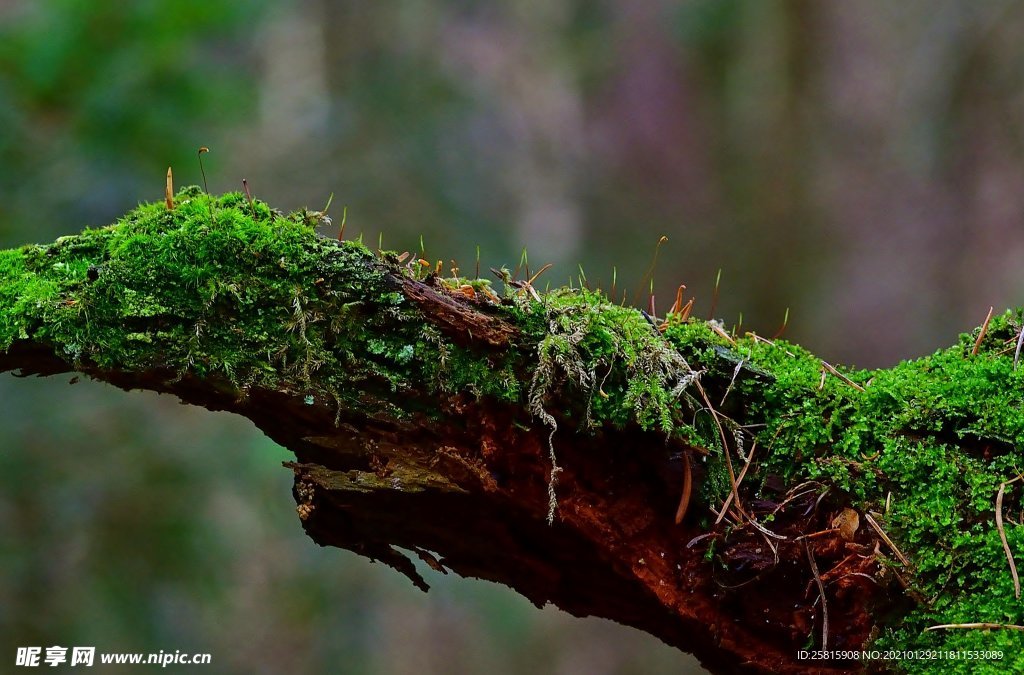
847 523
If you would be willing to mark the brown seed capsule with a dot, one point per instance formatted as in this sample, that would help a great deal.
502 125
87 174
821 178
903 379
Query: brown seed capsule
169 190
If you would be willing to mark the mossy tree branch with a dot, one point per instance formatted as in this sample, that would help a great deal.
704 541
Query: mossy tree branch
431 415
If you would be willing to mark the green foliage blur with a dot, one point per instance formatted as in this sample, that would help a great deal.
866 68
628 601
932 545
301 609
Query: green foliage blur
96 97
859 163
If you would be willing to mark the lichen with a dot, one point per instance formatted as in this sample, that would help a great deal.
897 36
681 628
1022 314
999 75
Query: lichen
613 359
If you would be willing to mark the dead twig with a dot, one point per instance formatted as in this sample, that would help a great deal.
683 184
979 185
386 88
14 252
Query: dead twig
758 338
983 625
684 500
844 378
713 325
700 537
881 533
725 450
739 479
537 274
981 334
821 591
819 533
1002 535
1020 343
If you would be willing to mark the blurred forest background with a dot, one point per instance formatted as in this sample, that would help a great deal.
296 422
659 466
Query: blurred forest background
861 163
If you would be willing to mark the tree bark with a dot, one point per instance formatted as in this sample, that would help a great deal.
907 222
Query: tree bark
444 468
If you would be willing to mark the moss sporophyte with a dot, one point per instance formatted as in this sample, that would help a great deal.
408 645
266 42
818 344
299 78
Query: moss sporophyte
229 289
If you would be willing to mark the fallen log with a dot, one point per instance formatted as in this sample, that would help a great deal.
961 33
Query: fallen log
738 497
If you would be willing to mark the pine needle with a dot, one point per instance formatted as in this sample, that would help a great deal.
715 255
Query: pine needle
821 592
981 334
1002 535
976 626
1020 343
684 500
881 533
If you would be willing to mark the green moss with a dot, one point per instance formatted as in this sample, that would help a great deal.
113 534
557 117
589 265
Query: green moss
222 288
936 436
257 298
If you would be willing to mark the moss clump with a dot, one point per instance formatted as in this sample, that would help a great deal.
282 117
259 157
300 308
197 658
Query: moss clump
221 288
934 438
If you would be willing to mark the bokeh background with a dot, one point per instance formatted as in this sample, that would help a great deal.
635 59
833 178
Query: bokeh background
858 162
